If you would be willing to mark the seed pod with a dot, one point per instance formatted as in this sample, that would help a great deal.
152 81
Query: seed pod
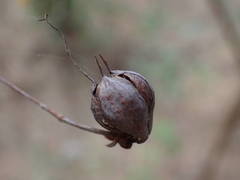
123 103
143 87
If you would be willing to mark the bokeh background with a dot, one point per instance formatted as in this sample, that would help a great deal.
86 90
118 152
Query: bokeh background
178 45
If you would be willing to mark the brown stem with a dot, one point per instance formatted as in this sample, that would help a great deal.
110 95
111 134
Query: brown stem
67 48
44 107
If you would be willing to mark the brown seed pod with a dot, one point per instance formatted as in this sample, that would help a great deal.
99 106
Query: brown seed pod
123 103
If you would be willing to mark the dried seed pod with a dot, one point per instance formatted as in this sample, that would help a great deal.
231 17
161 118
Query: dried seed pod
123 103
143 87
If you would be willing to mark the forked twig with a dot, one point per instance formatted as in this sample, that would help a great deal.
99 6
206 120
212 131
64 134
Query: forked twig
44 107
61 118
66 47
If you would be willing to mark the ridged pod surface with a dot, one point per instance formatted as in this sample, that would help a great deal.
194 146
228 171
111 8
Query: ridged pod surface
123 103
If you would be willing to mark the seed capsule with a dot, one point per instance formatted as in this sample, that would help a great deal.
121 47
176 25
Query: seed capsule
123 103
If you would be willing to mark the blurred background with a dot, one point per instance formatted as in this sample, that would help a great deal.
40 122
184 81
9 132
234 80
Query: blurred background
181 47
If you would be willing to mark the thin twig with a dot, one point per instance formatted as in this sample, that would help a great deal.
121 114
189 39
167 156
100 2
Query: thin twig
67 48
210 167
58 116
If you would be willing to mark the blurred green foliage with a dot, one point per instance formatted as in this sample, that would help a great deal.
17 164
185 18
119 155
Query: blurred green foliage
65 13
164 133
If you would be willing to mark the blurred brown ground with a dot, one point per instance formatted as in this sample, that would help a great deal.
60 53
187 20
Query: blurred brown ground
177 45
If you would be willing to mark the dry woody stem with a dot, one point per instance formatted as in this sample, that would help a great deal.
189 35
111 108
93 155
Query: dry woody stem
55 114
66 48
43 106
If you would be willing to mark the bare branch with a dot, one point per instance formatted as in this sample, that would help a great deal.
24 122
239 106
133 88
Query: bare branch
66 47
44 107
